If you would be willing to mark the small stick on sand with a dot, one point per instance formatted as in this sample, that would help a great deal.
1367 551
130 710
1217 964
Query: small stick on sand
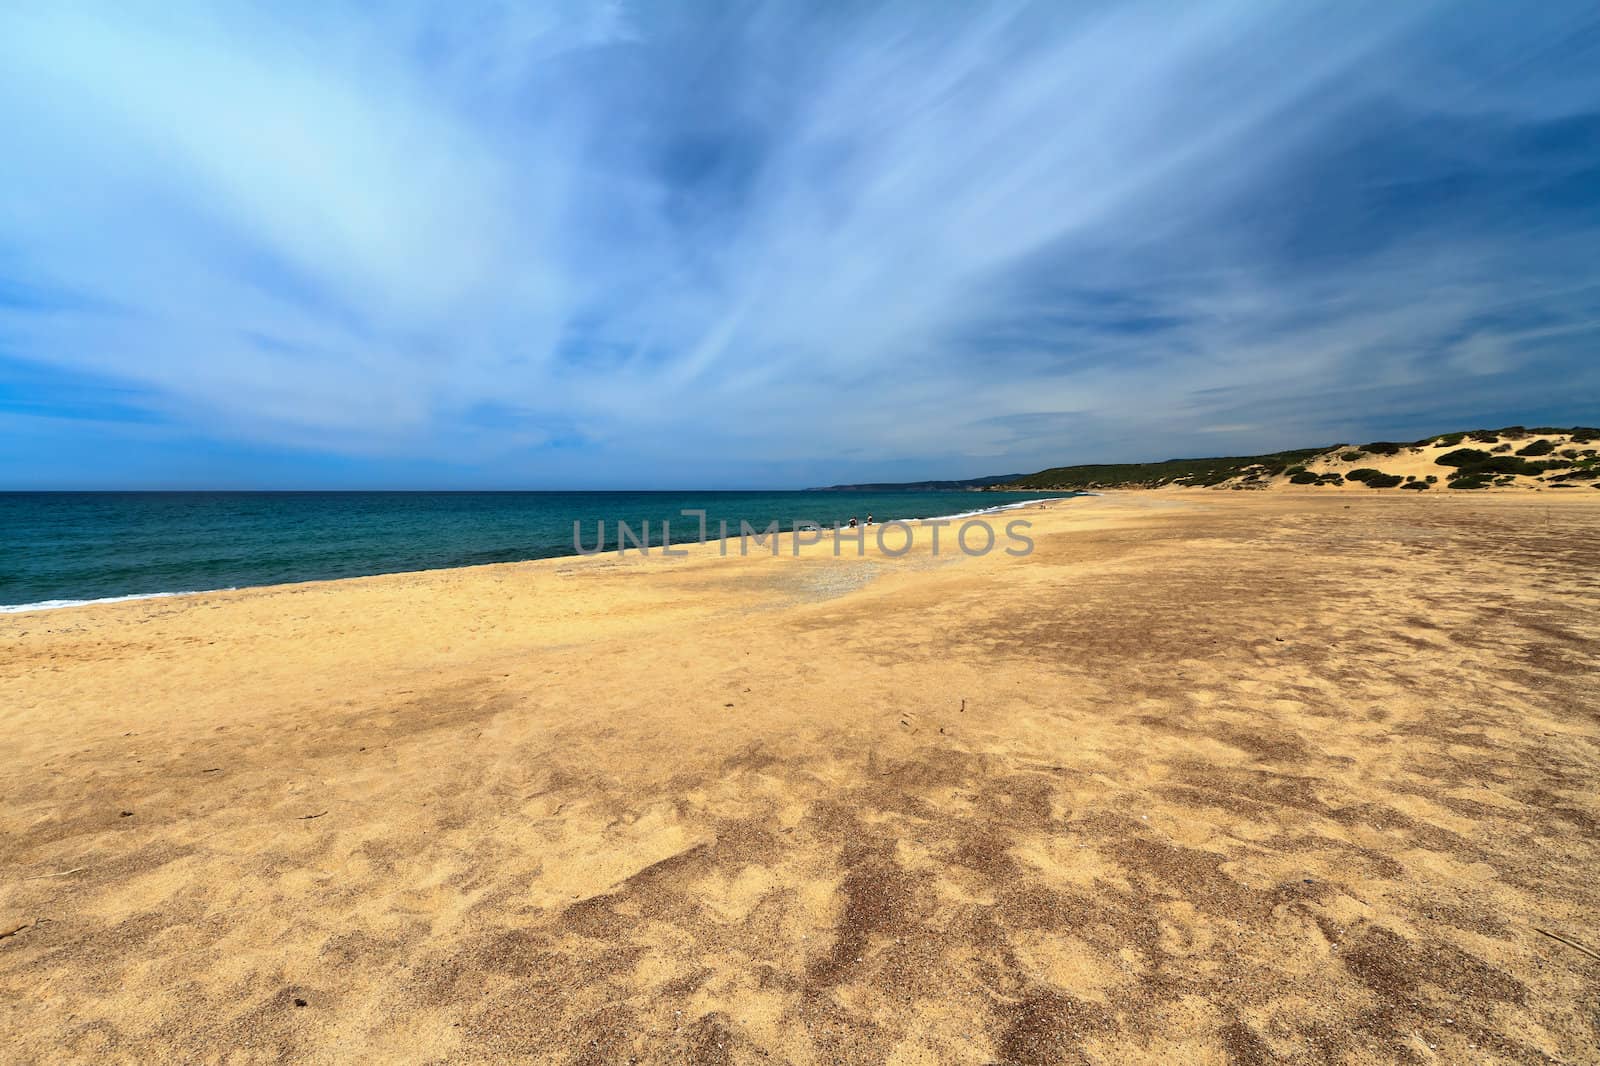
308 817
1573 944
63 873
15 929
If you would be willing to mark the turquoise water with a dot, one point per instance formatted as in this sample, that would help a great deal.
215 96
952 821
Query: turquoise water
102 545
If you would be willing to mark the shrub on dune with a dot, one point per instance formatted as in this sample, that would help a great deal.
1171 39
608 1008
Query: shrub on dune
1510 464
1374 479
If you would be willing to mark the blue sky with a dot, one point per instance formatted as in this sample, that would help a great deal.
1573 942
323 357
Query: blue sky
746 245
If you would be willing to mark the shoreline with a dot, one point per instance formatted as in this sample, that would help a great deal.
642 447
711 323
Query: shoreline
66 604
1163 493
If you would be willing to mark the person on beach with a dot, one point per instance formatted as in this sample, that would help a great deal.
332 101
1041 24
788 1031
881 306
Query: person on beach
852 522
869 520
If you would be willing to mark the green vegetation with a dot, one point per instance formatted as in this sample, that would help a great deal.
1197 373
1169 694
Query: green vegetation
1449 440
1351 457
1384 447
1538 447
1485 436
1374 479
1483 463
1420 485
1171 472
1476 468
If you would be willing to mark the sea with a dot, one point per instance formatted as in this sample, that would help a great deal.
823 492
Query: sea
62 549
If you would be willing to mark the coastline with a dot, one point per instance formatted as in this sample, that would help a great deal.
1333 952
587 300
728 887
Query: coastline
61 604
1045 498
57 605
945 809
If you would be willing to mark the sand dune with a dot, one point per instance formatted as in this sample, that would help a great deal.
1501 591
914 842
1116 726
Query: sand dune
1207 778
1572 454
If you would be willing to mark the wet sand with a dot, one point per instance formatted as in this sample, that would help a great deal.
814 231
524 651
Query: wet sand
1207 778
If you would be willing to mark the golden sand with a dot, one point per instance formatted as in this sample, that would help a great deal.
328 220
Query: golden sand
1207 778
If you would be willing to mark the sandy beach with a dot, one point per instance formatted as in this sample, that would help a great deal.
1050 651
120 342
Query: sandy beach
1206 778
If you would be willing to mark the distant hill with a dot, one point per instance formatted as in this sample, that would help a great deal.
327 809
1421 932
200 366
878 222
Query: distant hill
1154 475
973 484
1512 457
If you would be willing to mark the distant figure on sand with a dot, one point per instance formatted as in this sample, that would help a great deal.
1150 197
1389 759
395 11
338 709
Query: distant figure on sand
869 520
852 521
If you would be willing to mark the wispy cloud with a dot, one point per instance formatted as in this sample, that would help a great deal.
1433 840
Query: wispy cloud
653 244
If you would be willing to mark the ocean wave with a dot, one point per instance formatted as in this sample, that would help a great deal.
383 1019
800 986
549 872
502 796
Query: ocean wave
52 605
991 510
